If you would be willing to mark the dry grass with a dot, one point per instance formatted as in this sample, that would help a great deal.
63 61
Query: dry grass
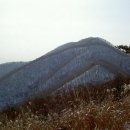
102 107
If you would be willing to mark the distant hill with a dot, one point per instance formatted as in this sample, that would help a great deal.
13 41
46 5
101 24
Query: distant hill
9 67
90 61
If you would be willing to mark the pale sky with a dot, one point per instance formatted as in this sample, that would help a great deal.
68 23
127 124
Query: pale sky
31 28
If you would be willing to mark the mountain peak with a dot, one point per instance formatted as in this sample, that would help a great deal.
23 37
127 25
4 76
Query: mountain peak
88 61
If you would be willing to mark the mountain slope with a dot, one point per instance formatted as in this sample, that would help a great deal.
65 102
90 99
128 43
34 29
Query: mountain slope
9 67
89 61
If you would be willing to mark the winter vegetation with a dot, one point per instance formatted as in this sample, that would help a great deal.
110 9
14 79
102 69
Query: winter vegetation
89 61
6 68
101 107
81 85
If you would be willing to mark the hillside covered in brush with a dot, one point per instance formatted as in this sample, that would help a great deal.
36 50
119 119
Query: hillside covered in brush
100 107
7 68
88 62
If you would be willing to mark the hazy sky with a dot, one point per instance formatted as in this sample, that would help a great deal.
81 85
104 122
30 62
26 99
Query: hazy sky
30 28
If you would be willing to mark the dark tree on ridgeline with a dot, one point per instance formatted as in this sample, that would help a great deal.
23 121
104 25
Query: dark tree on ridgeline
125 48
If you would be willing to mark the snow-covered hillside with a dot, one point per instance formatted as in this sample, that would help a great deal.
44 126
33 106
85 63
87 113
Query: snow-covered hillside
6 68
89 61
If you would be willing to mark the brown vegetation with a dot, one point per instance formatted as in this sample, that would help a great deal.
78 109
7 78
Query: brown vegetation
100 107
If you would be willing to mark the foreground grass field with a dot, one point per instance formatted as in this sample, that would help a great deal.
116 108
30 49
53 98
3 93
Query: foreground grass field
101 107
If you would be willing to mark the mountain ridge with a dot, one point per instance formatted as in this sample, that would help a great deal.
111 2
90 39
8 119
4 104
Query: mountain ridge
70 44
53 70
6 68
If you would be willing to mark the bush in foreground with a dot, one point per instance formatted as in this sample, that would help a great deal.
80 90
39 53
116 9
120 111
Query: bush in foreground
100 107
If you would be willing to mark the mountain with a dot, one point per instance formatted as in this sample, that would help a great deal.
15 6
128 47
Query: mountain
88 61
7 68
